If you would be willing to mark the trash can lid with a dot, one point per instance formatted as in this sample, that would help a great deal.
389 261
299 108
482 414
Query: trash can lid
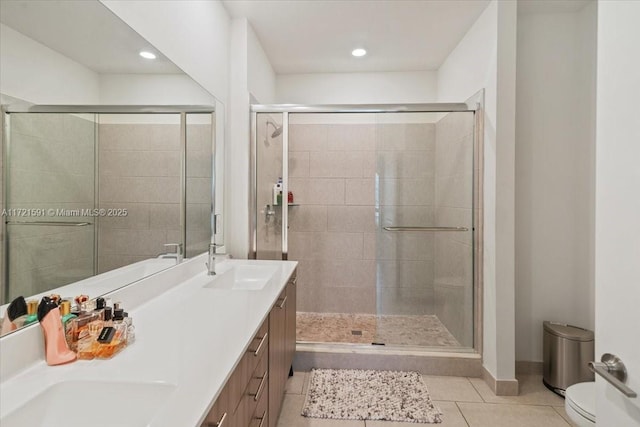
568 331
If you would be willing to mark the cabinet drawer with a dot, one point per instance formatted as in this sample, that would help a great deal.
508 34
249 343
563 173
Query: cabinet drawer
260 416
258 349
255 392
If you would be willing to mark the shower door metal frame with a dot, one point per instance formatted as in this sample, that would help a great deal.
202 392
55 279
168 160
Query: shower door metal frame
181 110
474 104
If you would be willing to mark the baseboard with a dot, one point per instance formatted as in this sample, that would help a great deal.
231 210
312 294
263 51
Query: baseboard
500 387
526 367
445 364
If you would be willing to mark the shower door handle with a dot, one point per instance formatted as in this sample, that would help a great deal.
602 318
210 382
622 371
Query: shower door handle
49 223
426 229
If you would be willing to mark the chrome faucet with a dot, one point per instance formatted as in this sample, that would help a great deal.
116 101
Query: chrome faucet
211 263
178 255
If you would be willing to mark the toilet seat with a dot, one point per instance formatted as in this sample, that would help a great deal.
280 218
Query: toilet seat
580 401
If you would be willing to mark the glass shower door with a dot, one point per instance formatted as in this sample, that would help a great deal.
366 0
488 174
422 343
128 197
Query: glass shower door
423 241
50 191
269 186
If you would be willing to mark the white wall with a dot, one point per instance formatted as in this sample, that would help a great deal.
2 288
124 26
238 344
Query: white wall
485 58
618 205
251 75
152 89
261 77
357 88
35 73
554 174
192 34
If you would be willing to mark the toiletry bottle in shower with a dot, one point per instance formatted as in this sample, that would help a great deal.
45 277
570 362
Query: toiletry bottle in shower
278 191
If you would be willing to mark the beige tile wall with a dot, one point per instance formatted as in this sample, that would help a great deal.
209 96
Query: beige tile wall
199 171
332 170
139 169
405 164
52 166
333 233
453 264
269 159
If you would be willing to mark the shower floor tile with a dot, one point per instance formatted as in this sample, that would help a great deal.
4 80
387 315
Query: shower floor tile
419 330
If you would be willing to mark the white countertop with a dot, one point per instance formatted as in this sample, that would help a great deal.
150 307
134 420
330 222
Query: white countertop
189 336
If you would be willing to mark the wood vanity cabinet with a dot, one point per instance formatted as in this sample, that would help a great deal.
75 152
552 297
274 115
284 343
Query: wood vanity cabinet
252 397
245 395
282 347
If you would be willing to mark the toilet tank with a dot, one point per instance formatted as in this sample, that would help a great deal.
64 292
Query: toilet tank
566 352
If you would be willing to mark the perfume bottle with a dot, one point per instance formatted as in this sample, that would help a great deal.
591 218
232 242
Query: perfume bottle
32 311
65 312
14 316
80 331
131 330
108 317
100 305
112 339
57 351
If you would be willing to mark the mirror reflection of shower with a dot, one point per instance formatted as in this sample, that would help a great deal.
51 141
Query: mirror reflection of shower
277 131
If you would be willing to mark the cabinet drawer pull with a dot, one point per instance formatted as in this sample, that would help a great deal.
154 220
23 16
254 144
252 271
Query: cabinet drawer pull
219 423
262 341
263 381
294 280
262 418
282 303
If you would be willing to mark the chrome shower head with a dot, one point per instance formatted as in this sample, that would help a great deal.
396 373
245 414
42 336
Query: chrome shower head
277 131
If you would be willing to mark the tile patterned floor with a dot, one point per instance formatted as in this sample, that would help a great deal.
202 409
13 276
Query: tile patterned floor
425 330
465 402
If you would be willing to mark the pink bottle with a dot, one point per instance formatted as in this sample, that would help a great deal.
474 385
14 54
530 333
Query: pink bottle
55 345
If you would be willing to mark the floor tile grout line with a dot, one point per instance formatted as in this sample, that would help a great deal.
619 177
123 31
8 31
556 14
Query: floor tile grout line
476 389
462 413
558 412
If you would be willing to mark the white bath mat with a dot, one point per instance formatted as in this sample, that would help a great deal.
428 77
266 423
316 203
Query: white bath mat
353 394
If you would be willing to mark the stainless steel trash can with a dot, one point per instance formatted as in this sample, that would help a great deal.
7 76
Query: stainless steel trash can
566 352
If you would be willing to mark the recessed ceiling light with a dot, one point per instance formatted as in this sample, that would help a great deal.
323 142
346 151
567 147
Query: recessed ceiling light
358 52
147 55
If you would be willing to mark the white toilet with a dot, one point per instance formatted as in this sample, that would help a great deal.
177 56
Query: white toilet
580 403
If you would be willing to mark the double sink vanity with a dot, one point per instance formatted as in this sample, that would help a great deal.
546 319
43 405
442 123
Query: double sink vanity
209 351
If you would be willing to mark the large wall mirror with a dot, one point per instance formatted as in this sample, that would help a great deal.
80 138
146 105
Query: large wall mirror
107 156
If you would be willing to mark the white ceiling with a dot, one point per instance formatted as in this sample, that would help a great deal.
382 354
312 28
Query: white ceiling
85 31
314 36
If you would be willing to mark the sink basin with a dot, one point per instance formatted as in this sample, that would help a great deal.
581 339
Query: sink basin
244 277
92 403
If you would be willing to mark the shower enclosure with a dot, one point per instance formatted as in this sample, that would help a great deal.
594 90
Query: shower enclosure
379 205
87 189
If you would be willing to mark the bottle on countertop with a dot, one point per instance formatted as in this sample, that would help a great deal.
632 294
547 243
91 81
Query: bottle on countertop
100 305
57 351
65 312
14 316
112 339
32 312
